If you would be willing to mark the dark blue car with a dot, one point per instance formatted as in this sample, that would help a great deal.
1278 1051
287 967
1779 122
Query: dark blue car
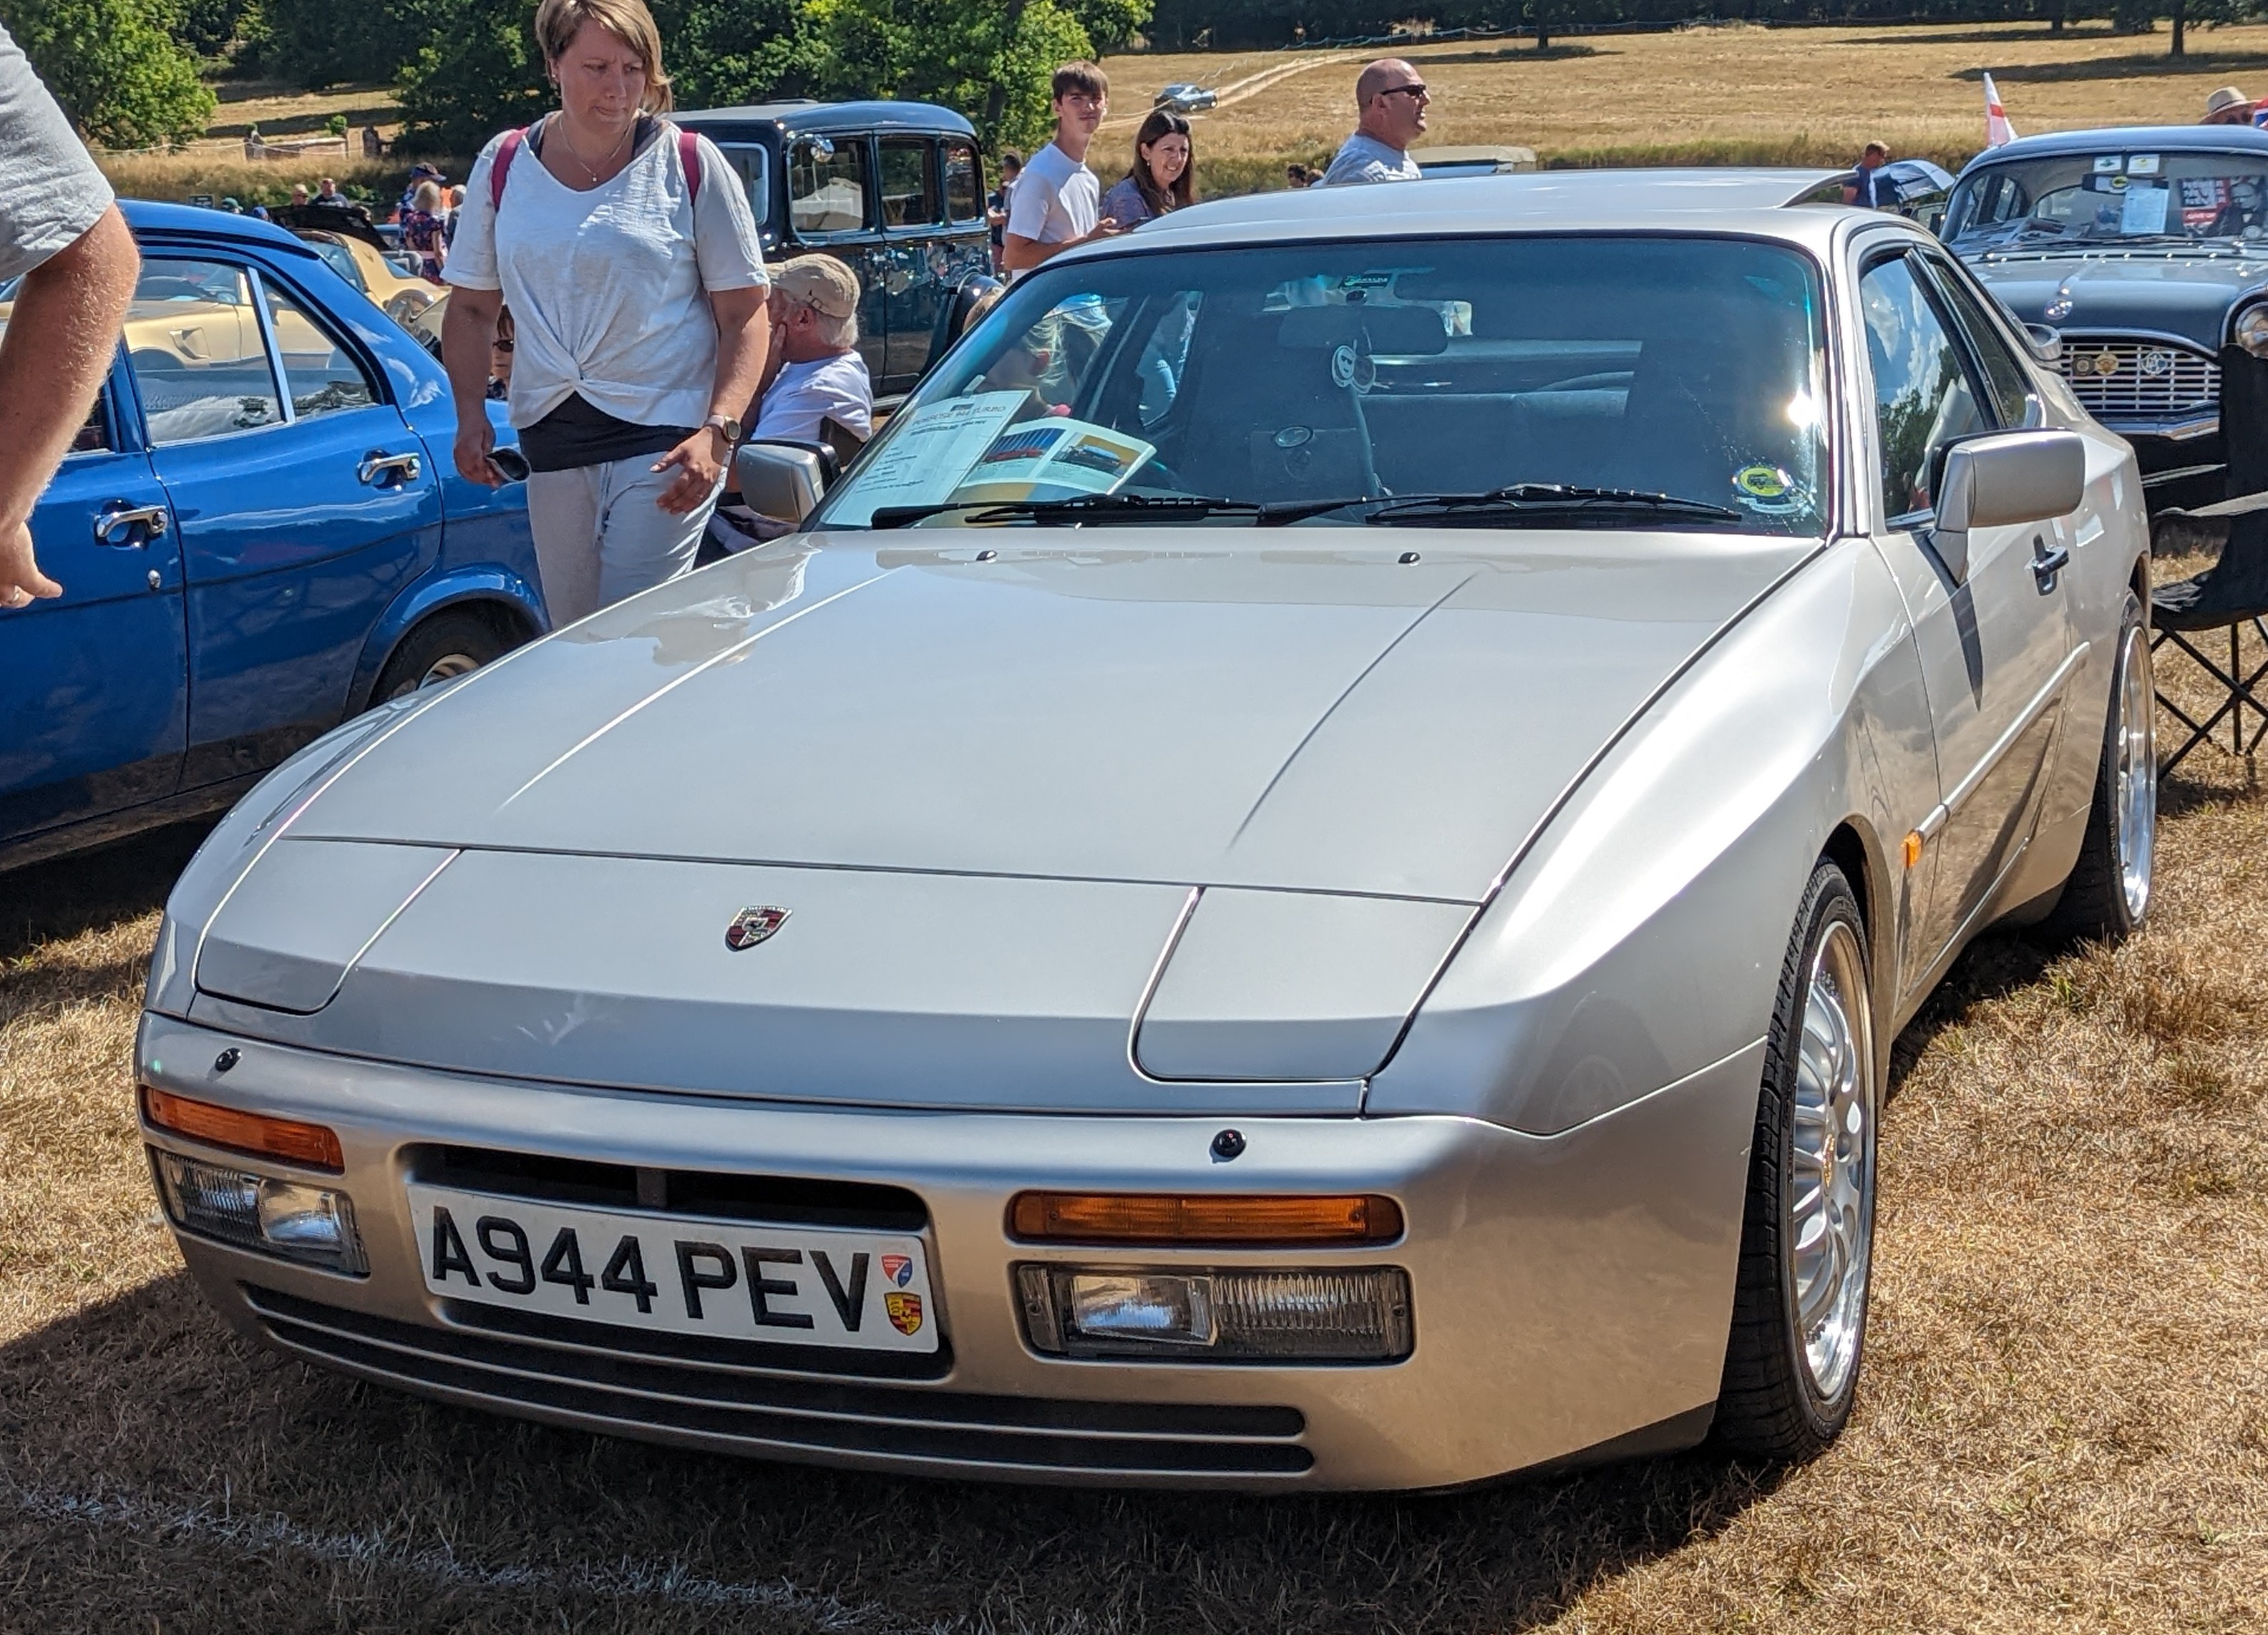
258 532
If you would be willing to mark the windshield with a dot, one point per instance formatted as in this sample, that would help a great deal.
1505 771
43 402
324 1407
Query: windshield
2115 195
1288 375
340 259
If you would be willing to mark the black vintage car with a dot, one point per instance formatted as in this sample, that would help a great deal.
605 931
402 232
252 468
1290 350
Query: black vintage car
895 189
2147 249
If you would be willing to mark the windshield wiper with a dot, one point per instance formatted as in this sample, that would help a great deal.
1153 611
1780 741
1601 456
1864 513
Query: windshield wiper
1078 508
1548 502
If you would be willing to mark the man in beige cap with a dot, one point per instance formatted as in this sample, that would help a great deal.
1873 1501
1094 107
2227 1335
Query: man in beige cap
2227 106
814 373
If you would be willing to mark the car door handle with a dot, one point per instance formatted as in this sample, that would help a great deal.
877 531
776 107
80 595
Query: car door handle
114 517
2047 563
377 465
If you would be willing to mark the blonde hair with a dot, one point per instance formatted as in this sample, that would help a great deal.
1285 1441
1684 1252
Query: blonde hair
557 22
427 198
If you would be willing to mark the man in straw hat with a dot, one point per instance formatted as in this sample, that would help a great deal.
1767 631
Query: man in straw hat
2227 106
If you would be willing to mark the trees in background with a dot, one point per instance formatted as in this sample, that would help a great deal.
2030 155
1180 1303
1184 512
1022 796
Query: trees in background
115 68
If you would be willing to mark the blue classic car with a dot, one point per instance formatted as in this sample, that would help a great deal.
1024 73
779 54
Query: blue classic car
2147 250
259 532
893 190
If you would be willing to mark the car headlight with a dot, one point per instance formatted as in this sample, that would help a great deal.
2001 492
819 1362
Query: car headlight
2250 329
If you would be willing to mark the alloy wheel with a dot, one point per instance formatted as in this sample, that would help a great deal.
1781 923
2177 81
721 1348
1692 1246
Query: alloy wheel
2137 773
1830 1192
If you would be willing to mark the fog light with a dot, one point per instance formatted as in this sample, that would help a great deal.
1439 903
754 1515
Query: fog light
287 1218
1219 1315
1149 1307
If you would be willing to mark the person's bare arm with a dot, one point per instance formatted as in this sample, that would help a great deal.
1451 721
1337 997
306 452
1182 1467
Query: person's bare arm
60 338
743 338
468 342
1018 253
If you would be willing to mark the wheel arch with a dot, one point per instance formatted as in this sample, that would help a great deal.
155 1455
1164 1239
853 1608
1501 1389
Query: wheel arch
511 605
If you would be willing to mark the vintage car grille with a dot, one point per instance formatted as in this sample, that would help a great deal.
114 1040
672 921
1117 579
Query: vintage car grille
740 1407
2141 380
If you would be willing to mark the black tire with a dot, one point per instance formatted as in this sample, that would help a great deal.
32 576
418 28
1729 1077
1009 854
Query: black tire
1773 1403
2099 900
446 647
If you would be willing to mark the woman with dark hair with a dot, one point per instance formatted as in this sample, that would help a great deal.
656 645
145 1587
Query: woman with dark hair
1163 176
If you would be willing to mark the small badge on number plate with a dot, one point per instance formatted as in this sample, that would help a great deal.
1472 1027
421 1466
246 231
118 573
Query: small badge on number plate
751 926
899 1269
905 1311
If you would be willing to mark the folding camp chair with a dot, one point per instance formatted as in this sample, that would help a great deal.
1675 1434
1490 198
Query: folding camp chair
2230 594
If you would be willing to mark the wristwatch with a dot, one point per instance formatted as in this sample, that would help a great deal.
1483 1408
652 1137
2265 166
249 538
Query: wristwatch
726 424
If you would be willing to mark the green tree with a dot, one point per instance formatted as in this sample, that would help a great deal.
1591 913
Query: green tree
114 67
322 42
477 73
991 63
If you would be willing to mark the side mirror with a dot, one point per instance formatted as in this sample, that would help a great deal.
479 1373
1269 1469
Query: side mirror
780 482
2047 345
2002 481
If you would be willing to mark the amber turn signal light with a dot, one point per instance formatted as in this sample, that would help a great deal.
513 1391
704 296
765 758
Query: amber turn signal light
1154 1219
286 1138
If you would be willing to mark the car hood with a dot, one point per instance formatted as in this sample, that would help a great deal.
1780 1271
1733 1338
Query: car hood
2177 292
1164 705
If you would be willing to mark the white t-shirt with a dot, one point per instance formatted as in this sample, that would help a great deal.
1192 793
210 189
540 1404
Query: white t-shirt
607 285
1055 199
50 192
1365 158
834 387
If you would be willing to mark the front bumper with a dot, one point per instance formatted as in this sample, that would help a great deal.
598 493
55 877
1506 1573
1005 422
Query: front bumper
1570 1295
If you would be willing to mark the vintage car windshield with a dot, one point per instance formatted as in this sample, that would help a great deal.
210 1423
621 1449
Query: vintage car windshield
1374 374
2114 196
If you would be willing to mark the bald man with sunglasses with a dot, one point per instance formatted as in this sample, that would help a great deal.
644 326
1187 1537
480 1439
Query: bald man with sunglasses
1389 100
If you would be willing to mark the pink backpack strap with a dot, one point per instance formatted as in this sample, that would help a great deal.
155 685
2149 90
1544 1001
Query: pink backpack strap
507 151
689 159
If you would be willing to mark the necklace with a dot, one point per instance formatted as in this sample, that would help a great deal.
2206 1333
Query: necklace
604 158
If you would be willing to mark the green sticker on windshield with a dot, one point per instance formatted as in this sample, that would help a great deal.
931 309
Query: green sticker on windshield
1365 281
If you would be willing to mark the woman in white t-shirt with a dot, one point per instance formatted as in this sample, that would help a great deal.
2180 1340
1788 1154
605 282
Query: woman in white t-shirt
630 259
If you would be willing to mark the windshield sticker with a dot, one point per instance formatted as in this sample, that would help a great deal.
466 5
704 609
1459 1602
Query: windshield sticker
1054 459
1768 490
2109 164
2142 164
1366 281
2144 210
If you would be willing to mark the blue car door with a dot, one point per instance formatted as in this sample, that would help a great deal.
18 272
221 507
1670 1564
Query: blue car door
303 507
95 683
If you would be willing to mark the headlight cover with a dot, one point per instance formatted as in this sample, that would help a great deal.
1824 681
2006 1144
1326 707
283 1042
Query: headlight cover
2250 329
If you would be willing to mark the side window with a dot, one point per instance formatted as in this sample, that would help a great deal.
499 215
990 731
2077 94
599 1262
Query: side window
341 260
906 201
827 186
193 338
752 163
2005 379
964 183
322 375
1923 397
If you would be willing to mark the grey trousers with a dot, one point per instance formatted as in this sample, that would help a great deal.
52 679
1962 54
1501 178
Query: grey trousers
600 536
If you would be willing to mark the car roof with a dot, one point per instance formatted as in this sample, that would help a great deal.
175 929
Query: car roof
146 215
799 113
2126 138
1747 201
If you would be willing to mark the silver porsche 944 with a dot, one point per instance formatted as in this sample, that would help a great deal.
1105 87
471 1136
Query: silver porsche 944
1302 877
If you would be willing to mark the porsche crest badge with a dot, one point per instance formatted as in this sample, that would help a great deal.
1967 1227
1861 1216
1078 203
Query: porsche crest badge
751 926
905 1311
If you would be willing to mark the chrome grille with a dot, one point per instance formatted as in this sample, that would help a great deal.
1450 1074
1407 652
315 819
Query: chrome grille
583 1374
2145 380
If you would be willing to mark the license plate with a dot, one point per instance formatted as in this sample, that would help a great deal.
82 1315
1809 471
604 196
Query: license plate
794 1285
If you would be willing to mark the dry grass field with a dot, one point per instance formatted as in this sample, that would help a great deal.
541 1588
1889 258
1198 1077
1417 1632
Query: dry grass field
2064 1424
1735 94
1730 94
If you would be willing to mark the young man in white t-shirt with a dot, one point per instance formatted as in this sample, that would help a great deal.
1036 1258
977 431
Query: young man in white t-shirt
1057 196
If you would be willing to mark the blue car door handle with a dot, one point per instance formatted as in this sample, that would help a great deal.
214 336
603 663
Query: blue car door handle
113 519
379 467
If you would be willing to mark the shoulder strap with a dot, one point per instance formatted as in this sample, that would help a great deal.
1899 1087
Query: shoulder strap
689 160
505 153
